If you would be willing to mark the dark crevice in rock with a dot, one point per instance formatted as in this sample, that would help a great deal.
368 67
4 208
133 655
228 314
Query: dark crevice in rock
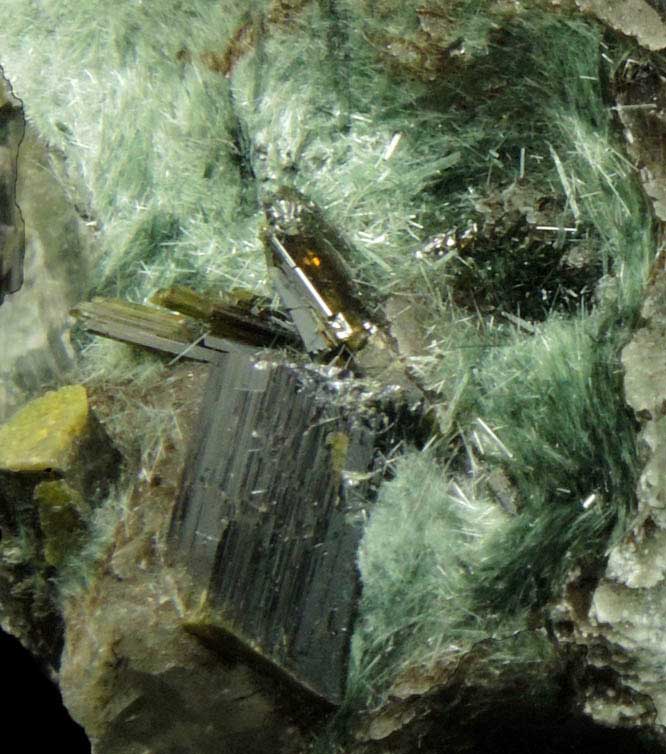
12 227
34 697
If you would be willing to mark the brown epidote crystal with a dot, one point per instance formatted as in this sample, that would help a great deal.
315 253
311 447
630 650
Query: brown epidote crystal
132 672
278 486
641 99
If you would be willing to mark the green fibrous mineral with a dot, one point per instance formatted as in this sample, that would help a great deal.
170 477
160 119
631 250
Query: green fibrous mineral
43 435
62 516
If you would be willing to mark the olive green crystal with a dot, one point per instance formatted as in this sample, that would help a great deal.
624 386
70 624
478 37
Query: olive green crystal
62 517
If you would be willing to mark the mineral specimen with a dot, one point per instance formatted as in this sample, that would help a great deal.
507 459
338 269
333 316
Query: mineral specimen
279 482
306 260
41 436
55 462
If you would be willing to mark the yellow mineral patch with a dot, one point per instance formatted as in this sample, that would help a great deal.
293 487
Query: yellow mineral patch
338 442
42 435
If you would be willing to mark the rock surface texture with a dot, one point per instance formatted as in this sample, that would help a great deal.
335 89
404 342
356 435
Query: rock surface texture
636 18
44 261
624 624
12 228
56 463
131 673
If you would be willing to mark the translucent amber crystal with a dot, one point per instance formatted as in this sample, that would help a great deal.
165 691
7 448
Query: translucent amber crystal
306 260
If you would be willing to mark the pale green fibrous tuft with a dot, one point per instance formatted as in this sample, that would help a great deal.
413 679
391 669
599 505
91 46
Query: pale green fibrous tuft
426 536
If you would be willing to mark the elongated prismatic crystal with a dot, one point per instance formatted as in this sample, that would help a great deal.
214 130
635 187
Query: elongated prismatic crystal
236 315
305 258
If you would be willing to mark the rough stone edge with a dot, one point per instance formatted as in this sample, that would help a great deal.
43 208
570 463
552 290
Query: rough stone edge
11 281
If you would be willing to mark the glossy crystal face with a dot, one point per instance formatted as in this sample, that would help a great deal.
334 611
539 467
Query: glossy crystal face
305 259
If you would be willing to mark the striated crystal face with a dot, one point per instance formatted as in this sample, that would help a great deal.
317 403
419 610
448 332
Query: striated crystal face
238 314
272 507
